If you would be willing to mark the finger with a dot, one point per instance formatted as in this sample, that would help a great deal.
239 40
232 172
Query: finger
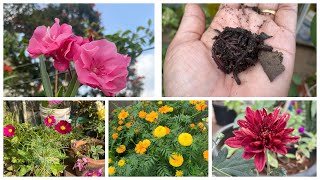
286 17
192 24
264 8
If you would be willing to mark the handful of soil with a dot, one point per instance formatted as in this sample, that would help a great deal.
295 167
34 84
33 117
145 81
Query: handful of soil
237 49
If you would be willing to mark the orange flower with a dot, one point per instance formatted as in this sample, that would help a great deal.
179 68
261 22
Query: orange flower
192 125
136 131
120 128
123 114
165 109
120 122
114 135
140 148
142 114
129 124
205 155
201 107
167 130
152 116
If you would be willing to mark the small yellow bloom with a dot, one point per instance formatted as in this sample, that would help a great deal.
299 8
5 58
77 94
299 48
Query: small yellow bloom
111 170
120 122
205 155
119 128
123 114
121 163
193 102
176 160
114 135
185 139
101 114
159 102
140 149
110 160
165 109
142 114
201 107
160 131
121 149
136 131
192 125
179 173
200 125
152 116
128 124
115 110
146 143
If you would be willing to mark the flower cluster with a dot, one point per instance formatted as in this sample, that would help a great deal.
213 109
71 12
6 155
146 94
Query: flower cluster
97 63
142 146
200 105
81 164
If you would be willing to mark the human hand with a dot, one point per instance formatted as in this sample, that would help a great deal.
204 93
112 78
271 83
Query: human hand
189 69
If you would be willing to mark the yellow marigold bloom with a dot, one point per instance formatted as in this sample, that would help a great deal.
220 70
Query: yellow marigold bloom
170 109
152 116
159 102
179 173
142 114
114 135
164 109
193 102
176 160
192 125
205 155
128 124
121 163
119 128
123 114
140 149
110 160
201 101
160 131
136 131
167 130
111 170
146 143
185 139
201 107
121 149
200 125
120 122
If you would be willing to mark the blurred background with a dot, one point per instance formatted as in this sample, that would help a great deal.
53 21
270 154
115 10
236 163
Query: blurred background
304 78
130 26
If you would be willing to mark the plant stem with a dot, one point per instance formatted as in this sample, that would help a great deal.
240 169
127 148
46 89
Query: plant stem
218 170
268 164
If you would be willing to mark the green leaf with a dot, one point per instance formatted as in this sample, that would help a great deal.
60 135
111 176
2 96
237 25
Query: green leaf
296 79
9 77
313 30
24 170
279 172
291 156
56 169
272 161
45 78
73 86
60 92
234 166
149 22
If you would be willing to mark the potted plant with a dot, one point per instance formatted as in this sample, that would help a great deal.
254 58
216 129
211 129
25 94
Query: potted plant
57 108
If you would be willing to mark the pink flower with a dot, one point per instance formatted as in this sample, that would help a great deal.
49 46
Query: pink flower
81 163
53 102
46 40
94 173
49 120
63 127
100 66
67 51
9 130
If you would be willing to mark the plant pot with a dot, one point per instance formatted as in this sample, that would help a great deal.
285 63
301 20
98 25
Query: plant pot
59 114
223 115
92 163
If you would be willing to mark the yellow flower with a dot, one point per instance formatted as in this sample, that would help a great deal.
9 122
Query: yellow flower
111 170
201 107
123 114
114 135
142 114
176 160
146 143
193 102
101 114
205 155
200 125
170 109
140 149
121 149
167 130
159 102
121 163
120 122
152 116
165 109
110 160
128 124
192 125
160 131
136 131
179 173
185 139
115 110
119 128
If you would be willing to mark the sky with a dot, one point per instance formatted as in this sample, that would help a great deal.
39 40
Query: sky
115 17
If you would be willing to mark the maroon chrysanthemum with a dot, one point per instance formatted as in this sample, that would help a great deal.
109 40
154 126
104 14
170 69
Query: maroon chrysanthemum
260 132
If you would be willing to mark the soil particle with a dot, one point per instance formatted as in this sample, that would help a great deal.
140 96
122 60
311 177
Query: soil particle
271 63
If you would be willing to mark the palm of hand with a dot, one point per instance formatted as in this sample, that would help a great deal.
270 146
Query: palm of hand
189 69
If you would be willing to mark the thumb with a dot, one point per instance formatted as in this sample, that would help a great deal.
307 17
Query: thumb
192 25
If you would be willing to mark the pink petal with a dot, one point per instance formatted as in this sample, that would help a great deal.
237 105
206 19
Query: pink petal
260 161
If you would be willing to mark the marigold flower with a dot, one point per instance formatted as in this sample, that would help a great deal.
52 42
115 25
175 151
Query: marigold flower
123 114
201 107
179 173
8 130
109 161
160 131
165 109
167 130
49 120
193 102
152 116
128 124
146 143
159 102
114 135
136 131
260 132
176 160
111 170
119 128
121 149
205 155
192 125
140 148
120 122
63 127
200 125
121 163
185 139
142 114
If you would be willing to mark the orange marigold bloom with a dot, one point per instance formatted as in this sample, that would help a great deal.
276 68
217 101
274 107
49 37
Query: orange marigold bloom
123 114
165 109
120 122
140 148
201 107
142 114
129 124
121 149
167 130
114 135
120 128
205 155
152 116
192 125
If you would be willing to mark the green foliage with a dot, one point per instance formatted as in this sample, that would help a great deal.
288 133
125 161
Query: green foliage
155 161
96 151
233 166
313 30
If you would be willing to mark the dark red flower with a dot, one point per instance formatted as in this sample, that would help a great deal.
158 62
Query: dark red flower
7 68
63 127
260 132
9 130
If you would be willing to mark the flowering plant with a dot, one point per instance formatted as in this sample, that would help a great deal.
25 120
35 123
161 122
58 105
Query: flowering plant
97 63
164 138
